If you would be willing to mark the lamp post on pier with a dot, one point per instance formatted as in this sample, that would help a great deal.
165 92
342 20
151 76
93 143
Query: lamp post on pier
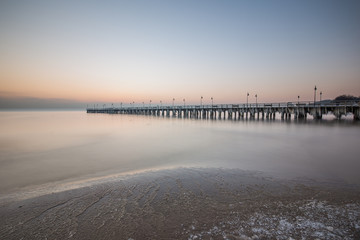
201 101
320 96
173 101
212 102
247 100
184 102
160 103
298 100
256 99
315 94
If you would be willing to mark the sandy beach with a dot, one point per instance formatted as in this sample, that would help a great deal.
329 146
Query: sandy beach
189 204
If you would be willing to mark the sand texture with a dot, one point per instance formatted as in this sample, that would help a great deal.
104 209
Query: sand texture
189 204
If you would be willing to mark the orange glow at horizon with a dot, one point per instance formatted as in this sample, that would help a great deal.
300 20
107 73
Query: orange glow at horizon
95 89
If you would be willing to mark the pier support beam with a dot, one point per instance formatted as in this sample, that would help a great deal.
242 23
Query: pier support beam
356 113
229 114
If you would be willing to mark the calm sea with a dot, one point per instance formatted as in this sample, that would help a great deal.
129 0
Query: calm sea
47 147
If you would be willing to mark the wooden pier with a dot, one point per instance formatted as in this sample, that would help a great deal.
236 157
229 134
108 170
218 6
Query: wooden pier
287 110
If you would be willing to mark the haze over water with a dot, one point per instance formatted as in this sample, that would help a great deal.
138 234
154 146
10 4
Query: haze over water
46 147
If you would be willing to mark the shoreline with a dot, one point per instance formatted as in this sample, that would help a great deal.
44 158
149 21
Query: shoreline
189 204
73 184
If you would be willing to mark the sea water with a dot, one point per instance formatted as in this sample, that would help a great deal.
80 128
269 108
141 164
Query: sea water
44 147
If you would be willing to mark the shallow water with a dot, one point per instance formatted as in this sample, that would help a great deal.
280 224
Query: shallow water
46 147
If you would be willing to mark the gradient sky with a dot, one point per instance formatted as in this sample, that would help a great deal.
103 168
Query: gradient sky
124 51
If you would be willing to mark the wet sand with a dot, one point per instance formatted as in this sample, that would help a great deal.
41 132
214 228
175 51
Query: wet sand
189 204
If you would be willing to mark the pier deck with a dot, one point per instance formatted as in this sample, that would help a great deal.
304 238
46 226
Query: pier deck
240 111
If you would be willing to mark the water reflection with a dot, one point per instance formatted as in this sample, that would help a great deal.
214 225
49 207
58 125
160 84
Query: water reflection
41 147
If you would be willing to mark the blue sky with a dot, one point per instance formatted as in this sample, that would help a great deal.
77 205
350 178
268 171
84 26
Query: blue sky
124 51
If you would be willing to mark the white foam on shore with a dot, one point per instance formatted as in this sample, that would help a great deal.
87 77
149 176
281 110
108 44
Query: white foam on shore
320 220
72 184
66 185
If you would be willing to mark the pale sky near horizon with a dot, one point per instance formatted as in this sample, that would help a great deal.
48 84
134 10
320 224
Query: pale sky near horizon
124 51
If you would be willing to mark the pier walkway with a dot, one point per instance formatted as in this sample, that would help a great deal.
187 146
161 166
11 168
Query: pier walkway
287 110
